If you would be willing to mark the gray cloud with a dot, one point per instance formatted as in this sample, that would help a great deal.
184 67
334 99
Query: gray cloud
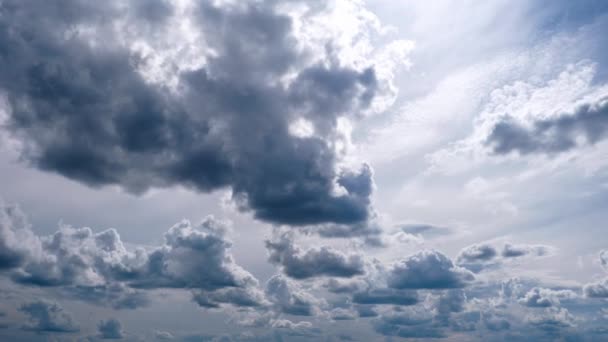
163 335
597 289
428 270
386 296
16 238
604 259
314 262
110 330
45 316
478 257
588 121
414 322
542 298
289 298
87 112
552 320
97 268
477 252
520 250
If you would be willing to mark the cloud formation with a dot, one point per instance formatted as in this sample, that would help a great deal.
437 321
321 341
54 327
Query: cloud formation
98 268
110 330
46 316
314 262
586 124
94 112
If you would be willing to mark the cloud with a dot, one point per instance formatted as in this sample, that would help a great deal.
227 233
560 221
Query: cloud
477 252
97 267
428 270
17 241
100 114
45 316
521 250
586 124
341 314
478 257
342 286
407 323
314 262
110 330
385 296
426 230
604 259
597 289
552 319
289 298
163 335
542 298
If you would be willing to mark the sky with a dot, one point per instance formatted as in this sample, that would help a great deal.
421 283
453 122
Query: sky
303 170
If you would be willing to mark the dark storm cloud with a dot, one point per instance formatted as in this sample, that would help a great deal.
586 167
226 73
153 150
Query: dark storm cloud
428 270
45 316
110 330
82 108
314 262
97 268
588 122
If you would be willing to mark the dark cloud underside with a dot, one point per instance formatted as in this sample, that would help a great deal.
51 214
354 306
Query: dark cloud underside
85 110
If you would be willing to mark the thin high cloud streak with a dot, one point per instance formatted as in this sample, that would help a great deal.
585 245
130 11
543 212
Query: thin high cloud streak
261 99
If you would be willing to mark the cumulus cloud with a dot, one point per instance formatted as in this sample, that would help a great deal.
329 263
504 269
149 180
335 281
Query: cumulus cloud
385 296
314 262
586 124
428 270
110 330
97 267
542 298
597 289
478 257
87 102
46 316
163 335
289 298
521 250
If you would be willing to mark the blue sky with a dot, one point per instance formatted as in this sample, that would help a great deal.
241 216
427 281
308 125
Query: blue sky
303 170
